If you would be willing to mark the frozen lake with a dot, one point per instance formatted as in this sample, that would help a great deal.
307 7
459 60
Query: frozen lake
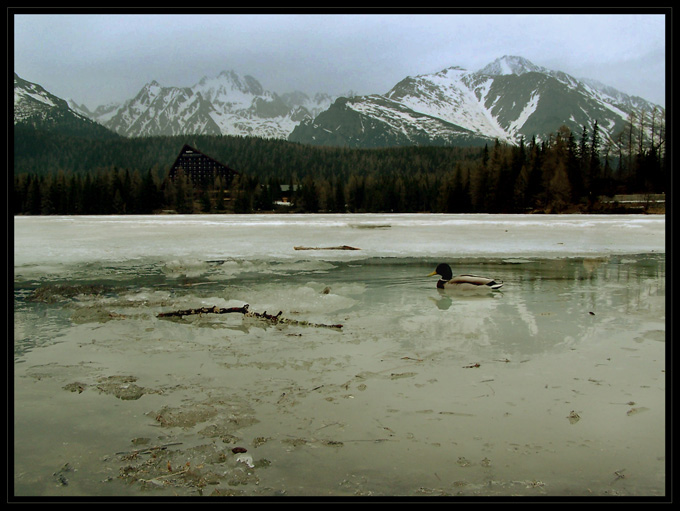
552 386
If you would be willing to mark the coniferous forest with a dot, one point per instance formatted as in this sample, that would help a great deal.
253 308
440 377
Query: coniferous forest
569 172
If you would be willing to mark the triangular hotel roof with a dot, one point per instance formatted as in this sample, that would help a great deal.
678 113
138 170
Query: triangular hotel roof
197 164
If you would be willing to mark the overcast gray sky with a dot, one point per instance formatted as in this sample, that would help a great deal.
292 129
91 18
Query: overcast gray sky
100 58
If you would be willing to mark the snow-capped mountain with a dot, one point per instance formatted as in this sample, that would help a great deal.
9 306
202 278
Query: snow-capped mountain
228 104
32 101
37 108
508 99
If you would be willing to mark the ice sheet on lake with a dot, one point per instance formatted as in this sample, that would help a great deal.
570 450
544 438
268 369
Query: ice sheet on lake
64 240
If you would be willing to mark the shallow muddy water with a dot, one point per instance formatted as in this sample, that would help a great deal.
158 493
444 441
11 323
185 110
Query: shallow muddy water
552 386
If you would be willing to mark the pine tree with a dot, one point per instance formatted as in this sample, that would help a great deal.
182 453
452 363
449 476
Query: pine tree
339 197
594 164
34 196
219 195
574 168
309 195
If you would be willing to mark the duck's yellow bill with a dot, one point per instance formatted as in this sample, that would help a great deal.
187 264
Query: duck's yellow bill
433 273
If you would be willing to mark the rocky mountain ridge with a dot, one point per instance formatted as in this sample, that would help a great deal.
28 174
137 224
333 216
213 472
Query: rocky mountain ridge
508 99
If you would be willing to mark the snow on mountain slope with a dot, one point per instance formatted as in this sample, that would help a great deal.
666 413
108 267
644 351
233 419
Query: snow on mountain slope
506 100
39 109
228 104
445 95
31 100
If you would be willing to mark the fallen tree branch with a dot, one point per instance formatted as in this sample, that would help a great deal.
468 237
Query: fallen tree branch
204 310
341 247
247 313
149 449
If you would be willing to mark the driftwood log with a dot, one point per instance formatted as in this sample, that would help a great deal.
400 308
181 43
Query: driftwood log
341 247
204 310
277 319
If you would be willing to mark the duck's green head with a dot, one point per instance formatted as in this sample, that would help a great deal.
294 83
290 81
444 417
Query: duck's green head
444 270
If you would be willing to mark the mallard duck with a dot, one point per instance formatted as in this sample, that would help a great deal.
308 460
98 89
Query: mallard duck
448 281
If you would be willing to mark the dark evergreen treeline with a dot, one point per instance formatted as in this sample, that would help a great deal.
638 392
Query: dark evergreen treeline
567 172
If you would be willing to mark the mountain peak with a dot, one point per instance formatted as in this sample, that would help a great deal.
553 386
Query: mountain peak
33 98
510 65
455 107
452 72
39 109
151 89
449 106
245 84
